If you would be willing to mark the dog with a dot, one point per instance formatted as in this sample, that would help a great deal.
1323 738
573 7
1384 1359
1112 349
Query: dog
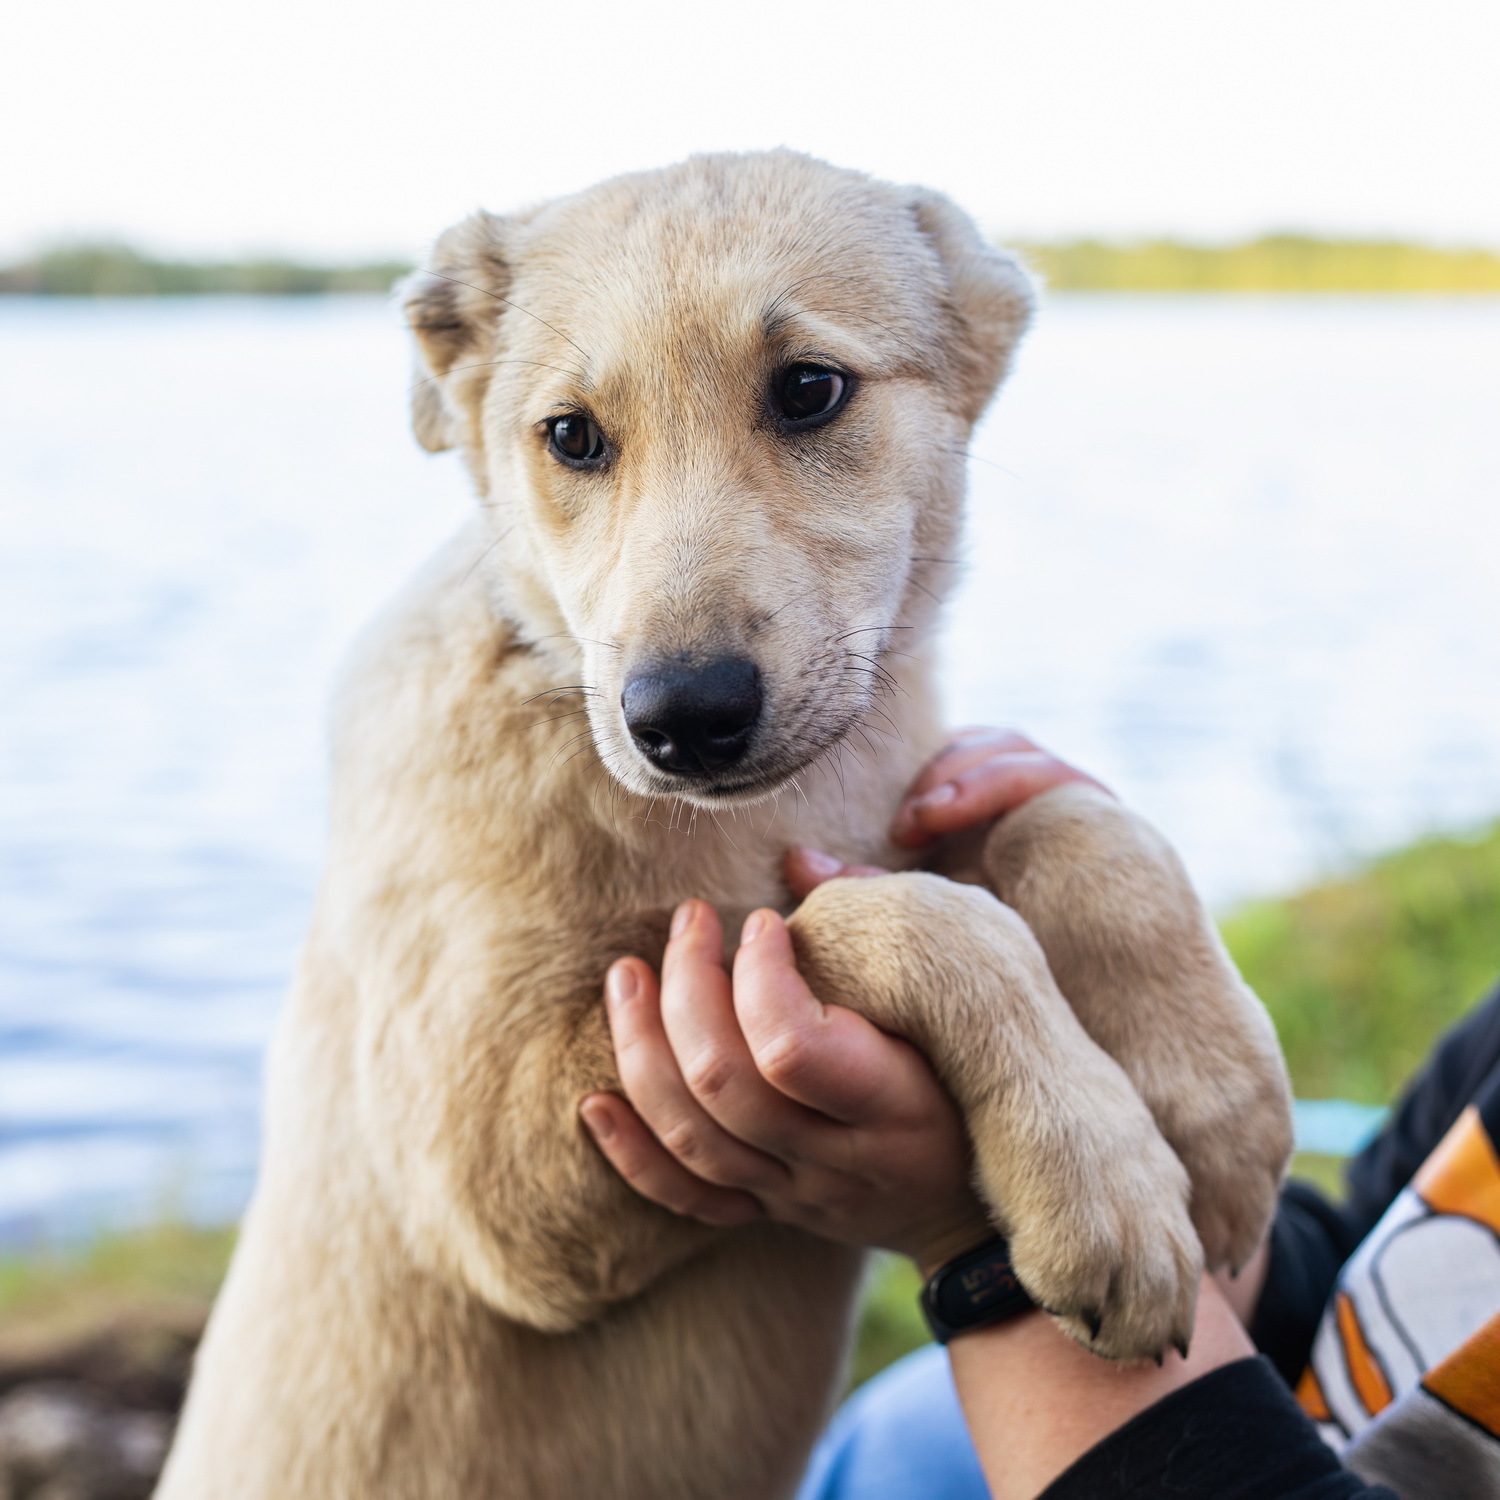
716 418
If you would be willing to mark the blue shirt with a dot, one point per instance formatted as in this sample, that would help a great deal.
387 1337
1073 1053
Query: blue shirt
901 1436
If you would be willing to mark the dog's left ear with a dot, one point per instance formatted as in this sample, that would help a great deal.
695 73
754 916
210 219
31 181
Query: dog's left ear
453 306
992 298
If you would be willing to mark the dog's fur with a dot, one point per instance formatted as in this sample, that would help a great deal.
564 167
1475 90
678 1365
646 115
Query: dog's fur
441 1288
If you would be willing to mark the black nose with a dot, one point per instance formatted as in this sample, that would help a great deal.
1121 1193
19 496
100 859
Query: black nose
693 720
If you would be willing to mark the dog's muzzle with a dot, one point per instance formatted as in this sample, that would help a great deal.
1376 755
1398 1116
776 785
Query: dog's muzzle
693 721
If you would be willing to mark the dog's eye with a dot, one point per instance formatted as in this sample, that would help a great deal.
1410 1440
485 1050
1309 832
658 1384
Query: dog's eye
575 439
808 395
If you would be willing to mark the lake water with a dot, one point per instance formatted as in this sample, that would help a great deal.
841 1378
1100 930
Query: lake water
1237 556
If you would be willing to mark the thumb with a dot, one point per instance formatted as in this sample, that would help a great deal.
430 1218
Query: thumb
824 1056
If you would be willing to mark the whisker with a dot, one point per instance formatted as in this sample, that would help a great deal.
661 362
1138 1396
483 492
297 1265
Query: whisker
490 364
485 291
866 629
979 458
565 635
484 556
788 604
719 827
557 719
571 690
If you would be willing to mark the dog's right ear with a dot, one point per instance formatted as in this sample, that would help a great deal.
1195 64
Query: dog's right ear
452 306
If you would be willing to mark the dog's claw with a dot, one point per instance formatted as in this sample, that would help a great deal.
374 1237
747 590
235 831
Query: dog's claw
1093 1321
1181 1346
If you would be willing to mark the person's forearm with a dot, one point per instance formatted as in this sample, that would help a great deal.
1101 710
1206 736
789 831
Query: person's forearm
1035 1401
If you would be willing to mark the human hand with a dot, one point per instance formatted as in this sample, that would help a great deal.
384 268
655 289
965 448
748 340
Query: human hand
749 1098
979 775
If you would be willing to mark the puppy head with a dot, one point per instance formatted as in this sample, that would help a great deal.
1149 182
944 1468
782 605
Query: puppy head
717 417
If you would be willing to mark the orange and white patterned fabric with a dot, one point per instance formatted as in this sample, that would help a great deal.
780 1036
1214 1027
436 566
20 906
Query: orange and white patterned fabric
1404 1380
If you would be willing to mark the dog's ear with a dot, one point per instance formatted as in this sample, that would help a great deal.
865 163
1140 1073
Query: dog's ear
452 306
992 297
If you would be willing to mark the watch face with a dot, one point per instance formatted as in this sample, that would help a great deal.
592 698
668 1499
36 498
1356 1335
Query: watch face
977 1288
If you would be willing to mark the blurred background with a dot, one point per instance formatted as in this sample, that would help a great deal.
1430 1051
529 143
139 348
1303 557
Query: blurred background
1234 523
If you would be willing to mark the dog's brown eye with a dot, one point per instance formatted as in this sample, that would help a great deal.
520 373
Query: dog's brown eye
809 394
575 439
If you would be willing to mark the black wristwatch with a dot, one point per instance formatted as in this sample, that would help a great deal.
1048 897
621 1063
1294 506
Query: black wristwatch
976 1289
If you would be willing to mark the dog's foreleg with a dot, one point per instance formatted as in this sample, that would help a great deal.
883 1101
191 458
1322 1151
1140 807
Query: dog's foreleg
469 1077
1074 1170
1132 948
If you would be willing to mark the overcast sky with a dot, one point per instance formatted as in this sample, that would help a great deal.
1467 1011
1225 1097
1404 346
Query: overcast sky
335 129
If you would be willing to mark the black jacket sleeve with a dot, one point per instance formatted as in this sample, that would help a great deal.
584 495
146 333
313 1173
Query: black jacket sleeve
1312 1238
1310 1241
1236 1434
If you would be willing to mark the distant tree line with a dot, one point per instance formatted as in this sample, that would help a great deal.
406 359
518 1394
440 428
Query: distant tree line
1273 263
106 270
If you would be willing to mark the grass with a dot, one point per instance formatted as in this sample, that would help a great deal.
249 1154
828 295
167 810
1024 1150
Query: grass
1272 263
165 1273
1361 975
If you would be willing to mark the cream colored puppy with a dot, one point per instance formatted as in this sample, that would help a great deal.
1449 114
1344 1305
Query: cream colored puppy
716 418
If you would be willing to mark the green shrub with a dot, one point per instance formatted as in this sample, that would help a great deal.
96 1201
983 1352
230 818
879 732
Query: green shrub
1361 975
890 1322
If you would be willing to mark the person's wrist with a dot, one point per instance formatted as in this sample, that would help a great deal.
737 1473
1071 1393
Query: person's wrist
946 1243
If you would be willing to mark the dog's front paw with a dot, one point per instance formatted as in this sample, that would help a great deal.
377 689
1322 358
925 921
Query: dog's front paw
1131 946
1233 1133
1102 1238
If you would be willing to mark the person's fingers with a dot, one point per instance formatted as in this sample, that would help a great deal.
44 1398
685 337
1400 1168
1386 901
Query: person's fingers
630 1148
968 747
804 870
826 1057
984 791
653 1082
697 1011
